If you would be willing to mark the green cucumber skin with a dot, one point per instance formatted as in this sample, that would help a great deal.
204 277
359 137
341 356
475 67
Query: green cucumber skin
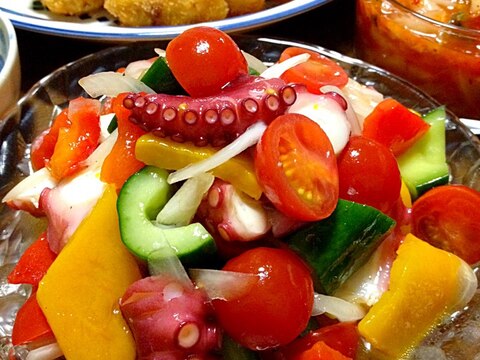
231 350
337 246
140 199
159 78
424 165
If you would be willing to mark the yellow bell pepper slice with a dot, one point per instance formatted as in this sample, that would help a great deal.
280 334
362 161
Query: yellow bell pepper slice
170 155
426 284
80 292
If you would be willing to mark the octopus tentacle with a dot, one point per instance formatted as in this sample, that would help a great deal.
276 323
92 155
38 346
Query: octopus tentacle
215 120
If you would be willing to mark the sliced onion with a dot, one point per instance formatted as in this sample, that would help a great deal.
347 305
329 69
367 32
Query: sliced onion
249 138
137 68
29 189
181 208
254 62
221 284
46 352
164 260
276 70
362 98
341 309
111 83
96 158
467 283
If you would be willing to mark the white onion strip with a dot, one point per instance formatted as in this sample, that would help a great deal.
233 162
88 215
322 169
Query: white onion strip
46 352
276 70
339 308
222 284
249 138
111 83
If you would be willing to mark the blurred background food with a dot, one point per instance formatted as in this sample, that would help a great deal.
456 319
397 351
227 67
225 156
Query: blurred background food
161 12
432 43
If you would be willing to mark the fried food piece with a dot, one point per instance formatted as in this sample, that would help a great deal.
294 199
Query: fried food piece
166 12
241 7
72 7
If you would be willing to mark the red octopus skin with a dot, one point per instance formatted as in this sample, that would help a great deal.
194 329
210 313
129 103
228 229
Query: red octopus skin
215 120
170 319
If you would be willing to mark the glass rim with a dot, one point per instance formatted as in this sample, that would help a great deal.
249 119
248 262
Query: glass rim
451 27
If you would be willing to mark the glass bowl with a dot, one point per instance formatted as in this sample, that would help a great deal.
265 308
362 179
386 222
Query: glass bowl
9 65
39 106
441 58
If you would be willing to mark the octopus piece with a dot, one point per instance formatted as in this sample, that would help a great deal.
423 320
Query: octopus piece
233 216
215 120
170 319
166 12
72 7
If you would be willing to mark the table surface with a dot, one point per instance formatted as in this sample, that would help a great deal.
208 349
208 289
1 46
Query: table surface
330 25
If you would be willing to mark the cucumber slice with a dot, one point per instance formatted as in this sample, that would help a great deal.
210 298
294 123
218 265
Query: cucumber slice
338 245
424 165
141 198
159 77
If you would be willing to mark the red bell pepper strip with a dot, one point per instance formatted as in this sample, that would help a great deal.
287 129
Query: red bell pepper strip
44 145
77 142
121 163
33 264
339 340
31 325
394 125
321 351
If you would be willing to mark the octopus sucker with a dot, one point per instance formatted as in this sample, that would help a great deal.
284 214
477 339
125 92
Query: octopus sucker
215 120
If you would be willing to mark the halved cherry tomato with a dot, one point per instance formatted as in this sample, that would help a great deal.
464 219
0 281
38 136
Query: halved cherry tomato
77 141
44 145
447 217
316 72
204 59
394 125
369 174
31 325
121 163
297 168
321 351
277 308
34 263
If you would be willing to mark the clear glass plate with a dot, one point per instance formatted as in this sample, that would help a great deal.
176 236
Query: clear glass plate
36 109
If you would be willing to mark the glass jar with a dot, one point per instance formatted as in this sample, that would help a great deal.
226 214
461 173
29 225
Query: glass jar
440 58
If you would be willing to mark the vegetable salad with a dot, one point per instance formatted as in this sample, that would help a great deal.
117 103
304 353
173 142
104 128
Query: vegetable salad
317 234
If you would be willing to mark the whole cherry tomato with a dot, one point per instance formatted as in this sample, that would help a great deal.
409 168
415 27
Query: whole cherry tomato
204 59
277 308
447 217
368 174
296 166
316 72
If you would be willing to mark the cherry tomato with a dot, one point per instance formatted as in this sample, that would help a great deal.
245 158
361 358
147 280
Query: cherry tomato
77 141
447 217
369 174
296 166
316 72
204 59
394 125
277 308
